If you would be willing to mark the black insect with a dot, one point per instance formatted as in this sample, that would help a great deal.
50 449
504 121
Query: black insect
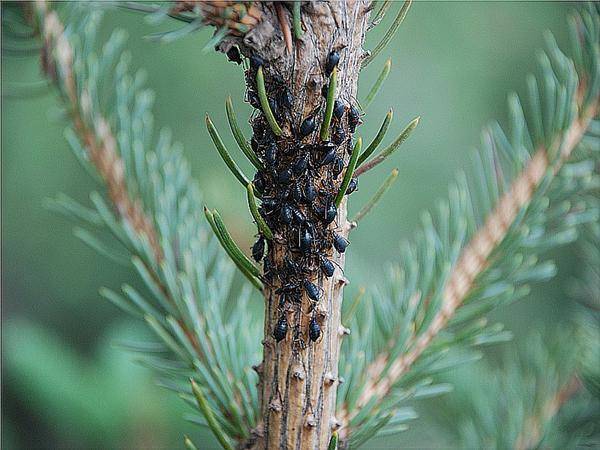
253 99
258 249
286 214
284 176
233 55
339 135
314 330
352 186
308 126
259 182
312 290
325 90
298 216
337 167
274 107
297 193
300 165
286 98
328 157
310 193
256 61
340 242
281 328
353 119
326 266
306 241
338 109
332 61
271 153
291 266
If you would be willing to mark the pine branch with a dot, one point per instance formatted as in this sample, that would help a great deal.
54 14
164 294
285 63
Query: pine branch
444 274
187 281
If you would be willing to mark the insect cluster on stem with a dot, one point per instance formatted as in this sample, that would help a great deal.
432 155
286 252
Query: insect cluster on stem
298 184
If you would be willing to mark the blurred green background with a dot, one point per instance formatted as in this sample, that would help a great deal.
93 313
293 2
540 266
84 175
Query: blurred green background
65 384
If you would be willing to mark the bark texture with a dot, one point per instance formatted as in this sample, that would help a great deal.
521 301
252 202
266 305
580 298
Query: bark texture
299 376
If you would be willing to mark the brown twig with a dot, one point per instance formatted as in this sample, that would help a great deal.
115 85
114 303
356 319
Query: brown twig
532 432
285 27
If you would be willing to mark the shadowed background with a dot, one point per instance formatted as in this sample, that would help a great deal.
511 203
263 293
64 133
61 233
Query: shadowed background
65 384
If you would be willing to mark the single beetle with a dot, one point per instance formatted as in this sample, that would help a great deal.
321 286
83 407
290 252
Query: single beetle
314 330
307 126
332 61
338 109
280 328
300 165
327 267
256 61
340 242
337 167
310 193
233 55
286 214
306 241
353 119
328 157
286 98
312 290
284 176
258 249
352 186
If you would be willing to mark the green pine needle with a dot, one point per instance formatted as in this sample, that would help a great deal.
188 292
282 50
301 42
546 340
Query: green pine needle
264 102
297 19
209 416
378 138
239 136
349 172
329 106
260 222
388 182
390 148
387 67
229 162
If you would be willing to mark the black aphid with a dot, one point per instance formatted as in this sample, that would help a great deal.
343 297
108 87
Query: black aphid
258 249
286 214
352 186
325 90
328 157
256 61
274 107
306 241
339 135
310 193
329 214
326 266
280 328
259 182
308 126
271 153
338 109
332 60
233 55
253 99
314 330
298 216
337 167
286 98
297 193
353 118
312 290
300 165
284 176
340 242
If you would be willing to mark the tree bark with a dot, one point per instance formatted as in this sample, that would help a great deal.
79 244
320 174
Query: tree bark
298 378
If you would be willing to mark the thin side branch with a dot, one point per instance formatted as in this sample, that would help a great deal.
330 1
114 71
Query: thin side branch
474 259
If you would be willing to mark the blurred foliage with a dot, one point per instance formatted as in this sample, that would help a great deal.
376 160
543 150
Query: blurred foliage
452 64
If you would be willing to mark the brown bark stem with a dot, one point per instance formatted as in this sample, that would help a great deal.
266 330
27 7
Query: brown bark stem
298 378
